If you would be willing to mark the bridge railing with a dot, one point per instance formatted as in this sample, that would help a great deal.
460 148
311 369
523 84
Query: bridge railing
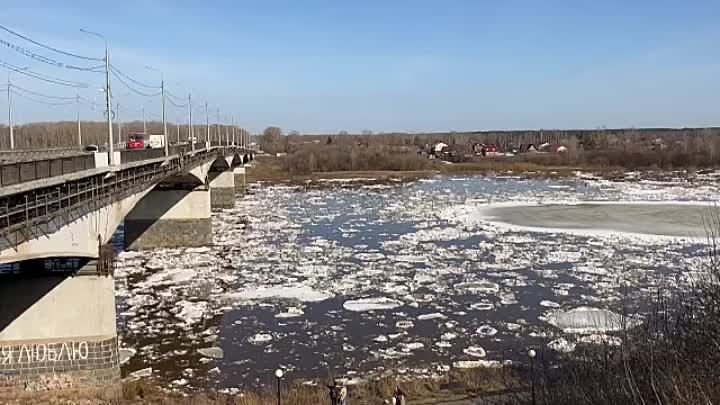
20 172
136 155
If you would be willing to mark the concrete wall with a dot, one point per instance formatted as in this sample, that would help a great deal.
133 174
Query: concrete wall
222 190
239 173
170 218
58 332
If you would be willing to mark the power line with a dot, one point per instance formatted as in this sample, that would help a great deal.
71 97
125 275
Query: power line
14 86
130 87
41 101
49 47
90 102
43 77
131 79
173 103
49 61
173 96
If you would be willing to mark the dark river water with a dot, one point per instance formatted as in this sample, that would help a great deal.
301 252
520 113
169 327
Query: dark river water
418 278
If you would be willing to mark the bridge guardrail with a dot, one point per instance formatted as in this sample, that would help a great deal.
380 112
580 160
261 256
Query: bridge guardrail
136 155
20 172
33 207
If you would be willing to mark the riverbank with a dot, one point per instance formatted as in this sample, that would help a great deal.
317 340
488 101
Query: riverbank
454 387
270 169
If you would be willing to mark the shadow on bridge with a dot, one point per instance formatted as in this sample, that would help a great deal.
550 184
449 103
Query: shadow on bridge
23 284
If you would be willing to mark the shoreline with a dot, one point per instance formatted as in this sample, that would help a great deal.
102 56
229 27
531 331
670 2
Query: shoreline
267 170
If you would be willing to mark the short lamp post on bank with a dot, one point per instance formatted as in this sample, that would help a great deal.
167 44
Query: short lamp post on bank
532 355
279 376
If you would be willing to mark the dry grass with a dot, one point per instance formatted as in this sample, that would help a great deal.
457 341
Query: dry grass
457 384
671 358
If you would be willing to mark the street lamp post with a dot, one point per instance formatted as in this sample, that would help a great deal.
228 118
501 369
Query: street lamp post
162 92
532 355
191 132
9 99
207 124
12 135
108 99
278 375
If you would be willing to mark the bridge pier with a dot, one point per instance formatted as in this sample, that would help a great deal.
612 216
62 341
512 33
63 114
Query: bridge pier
170 217
58 332
222 189
239 173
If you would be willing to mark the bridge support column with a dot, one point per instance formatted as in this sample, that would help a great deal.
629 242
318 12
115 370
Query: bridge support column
222 190
170 218
58 332
240 185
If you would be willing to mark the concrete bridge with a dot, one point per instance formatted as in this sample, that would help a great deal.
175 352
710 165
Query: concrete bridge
57 215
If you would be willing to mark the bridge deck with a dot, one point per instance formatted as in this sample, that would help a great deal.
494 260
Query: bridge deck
28 206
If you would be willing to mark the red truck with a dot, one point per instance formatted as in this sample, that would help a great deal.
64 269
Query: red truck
136 141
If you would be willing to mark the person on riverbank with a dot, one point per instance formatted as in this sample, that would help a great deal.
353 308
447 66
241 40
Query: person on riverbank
399 396
335 391
342 398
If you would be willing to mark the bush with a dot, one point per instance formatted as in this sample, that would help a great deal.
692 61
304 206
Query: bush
672 358
328 158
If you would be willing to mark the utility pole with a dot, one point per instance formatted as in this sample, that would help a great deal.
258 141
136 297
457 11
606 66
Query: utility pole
207 123
190 125
108 101
166 140
227 133
233 130
178 131
217 126
77 104
119 123
12 136
144 122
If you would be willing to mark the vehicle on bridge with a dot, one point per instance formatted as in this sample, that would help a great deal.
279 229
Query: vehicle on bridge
156 142
136 140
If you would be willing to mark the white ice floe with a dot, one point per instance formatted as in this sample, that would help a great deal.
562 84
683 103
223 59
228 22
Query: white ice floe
212 352
404 324
370 256
585 320
475 351
478 287
482 306
477 364
292 312
371 304
549 304
427 317
191 312
260 338
600 339
125 354
408 347
486 330
436 234
145 372
297 293
561 345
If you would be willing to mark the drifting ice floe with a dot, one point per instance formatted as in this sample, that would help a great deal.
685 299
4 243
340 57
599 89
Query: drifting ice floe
475 351
297 293
425 247
371 304
584 320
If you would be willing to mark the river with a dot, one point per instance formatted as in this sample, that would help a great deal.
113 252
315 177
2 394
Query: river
360 280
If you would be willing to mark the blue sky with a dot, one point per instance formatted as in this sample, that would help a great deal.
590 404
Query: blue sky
389 65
